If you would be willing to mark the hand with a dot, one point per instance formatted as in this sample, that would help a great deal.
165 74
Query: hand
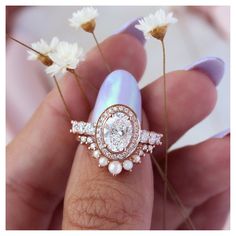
46 167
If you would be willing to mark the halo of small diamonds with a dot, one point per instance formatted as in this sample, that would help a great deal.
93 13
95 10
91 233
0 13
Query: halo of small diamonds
117 132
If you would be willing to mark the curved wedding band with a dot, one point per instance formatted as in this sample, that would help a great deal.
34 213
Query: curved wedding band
116 139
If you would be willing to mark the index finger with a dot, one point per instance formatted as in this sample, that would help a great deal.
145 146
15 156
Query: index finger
46 142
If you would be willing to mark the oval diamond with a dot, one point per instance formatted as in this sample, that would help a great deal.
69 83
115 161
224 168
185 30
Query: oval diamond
117 133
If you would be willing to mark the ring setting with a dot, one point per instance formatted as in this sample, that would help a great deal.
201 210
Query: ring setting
116 139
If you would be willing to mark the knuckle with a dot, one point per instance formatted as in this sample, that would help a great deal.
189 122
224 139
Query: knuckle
103 206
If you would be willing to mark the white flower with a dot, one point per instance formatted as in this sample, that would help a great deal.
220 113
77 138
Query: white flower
155 22
83 16
43 47
66 56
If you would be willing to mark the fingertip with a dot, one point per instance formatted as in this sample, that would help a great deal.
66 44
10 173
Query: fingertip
198 85
121 51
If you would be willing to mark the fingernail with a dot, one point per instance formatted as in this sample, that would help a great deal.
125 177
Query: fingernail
213 67
119 87
222 134
129 28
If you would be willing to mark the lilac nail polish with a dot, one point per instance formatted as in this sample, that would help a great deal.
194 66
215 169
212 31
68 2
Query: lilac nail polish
119 87
129 28
212 66
222 134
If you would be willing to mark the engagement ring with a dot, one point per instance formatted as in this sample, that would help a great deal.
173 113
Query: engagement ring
116 139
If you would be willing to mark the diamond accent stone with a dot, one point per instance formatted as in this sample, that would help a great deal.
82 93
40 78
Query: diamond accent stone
90 129
83 139
145 147
150 148
141 153
144 136
154 138
92 146
158 141
89 140
78 127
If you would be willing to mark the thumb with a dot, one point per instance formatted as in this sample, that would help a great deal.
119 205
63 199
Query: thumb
94 198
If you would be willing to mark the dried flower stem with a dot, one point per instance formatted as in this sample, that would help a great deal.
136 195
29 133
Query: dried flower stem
174 195
77 79
25 45
165 131
55 80
84 80
100 50
63 99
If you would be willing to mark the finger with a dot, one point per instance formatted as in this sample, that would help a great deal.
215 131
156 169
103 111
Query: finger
46 143
212 214
94 198
120 55
197 173
191 97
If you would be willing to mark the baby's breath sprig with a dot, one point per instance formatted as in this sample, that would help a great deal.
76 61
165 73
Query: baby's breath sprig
64 57
40 51
85 19
35 55
58 57
156 25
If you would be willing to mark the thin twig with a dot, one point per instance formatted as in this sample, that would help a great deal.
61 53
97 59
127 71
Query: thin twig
165 131
63 99
100 50
174 195
25 45
83 80
76 77
55 80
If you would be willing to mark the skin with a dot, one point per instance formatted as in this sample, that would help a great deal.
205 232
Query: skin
54 184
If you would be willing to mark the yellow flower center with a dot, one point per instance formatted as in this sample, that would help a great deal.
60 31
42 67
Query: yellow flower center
159 32
89 26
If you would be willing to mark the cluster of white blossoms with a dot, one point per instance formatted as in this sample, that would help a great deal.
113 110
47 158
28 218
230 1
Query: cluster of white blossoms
84 18
111 148
156 24
43 47
63 55
66 56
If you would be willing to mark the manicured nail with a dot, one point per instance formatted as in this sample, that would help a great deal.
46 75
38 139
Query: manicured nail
222 134
129 28
213 67
119 87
